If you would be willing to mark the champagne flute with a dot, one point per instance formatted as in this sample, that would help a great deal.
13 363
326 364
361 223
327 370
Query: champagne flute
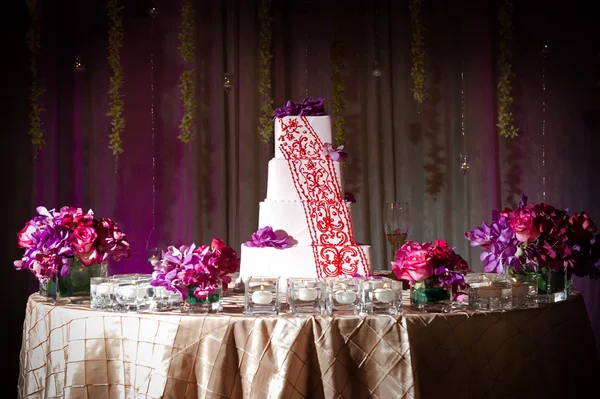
396 222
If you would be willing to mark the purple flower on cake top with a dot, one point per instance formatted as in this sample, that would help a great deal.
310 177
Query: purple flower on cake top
336 154
349 197
266 237
308 107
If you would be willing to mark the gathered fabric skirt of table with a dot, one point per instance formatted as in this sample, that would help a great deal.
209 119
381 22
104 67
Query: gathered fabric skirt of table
76 352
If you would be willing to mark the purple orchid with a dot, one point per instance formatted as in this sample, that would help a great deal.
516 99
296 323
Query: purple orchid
349 197
308 107
266 237
335 154
498 242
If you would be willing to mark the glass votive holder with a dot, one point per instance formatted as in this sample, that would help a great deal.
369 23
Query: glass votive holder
305 296
262 296
523 295
133 292
164 299
102 293
343 296
479 296
429 298
380 295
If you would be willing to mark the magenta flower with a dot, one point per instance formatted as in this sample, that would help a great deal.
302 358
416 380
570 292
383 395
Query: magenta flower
266 237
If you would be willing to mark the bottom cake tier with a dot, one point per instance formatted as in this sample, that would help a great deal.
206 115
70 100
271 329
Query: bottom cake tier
296 261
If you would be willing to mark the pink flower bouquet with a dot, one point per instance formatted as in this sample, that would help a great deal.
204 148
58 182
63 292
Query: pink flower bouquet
435 264
54 238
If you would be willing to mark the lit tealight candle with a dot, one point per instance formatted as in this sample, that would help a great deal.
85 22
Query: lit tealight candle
384 294
307 293
262 297
490 291
344 296
519 289
104 289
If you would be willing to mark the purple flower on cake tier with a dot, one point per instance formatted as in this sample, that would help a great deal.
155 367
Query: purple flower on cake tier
266 237
308 107
335 154
349 197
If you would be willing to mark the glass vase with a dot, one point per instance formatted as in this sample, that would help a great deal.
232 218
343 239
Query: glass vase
75 286
213 302
424 297
552 286
47 289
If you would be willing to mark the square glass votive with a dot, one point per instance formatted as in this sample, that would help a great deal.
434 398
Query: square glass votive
343 296
380 295
523 295
164 300
262 296
489 291
305 296
102 293
133 292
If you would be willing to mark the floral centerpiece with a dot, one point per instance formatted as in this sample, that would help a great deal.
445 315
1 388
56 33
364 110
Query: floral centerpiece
71 246
198 274
434 271
540 242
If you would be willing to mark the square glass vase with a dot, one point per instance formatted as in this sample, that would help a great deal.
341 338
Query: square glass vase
213 303
424 297
261 296
74 288
132 292
380 295
306 296
343 296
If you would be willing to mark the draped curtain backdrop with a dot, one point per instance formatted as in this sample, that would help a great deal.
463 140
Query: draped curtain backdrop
212 187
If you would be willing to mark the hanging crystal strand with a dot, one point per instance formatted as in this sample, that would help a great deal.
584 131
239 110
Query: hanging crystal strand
464 157
306 54
376 72
153 250
545 52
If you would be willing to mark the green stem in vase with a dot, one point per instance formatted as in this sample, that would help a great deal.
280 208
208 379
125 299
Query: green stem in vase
192 300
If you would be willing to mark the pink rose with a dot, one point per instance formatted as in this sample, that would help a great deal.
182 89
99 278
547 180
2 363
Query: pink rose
83 238
523 224
412 263
24 239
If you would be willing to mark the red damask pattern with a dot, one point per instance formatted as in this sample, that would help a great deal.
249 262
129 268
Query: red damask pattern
326 212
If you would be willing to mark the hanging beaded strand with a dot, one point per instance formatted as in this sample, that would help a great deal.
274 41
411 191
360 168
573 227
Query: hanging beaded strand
545 52
377 64
153 251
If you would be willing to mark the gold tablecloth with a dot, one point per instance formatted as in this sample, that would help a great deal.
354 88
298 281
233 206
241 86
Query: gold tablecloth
75 352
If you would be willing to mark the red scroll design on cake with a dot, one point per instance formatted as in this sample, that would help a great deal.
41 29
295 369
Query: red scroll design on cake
326 212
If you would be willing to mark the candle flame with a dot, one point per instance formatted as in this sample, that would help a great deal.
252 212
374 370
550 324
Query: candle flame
262 288
514 279
344 287
385 285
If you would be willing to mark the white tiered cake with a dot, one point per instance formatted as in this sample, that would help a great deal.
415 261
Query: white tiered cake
305 198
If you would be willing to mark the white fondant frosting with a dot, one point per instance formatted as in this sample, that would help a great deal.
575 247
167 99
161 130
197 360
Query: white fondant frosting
288 216
320 124
280 185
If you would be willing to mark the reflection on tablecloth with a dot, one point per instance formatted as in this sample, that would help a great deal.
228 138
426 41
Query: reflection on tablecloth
76 352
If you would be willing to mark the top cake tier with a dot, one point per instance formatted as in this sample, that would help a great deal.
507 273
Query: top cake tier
321 126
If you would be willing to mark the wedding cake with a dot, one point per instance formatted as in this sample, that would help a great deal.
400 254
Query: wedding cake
305 225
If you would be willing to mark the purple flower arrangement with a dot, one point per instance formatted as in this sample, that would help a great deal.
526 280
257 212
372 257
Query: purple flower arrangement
191 270
266 237
308 107
535 236
53 238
